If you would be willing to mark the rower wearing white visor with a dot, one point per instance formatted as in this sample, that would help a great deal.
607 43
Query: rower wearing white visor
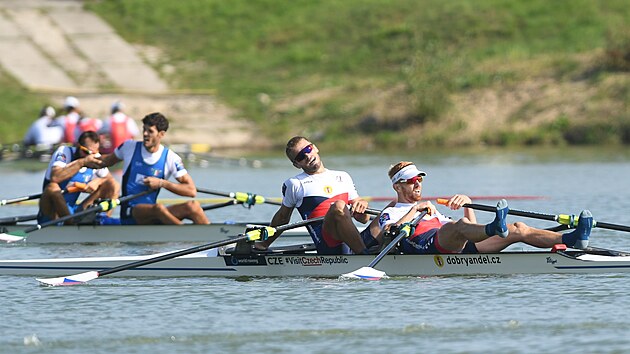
437 234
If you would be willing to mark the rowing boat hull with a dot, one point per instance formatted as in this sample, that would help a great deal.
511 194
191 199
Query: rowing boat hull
313 265
144 233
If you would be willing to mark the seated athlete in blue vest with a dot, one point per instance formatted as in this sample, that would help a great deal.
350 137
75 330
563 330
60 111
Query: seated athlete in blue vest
149 165
72 165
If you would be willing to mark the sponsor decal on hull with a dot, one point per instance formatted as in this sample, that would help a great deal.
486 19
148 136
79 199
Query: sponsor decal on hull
467 261
305 261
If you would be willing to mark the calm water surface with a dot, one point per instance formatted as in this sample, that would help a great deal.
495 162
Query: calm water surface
475 314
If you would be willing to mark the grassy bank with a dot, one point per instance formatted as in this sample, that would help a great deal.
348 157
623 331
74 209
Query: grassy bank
383 74
389 70
18 109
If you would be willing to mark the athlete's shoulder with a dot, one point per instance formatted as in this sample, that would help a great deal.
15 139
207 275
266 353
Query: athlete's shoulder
63 149
174 160
341 176
299 178
126 149
130 144
62 156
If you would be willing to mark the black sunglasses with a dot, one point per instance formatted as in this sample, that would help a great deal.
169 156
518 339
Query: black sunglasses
302 154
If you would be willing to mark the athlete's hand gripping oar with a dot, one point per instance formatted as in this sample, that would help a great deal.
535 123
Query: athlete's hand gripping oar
76 187
562 219
248 199
102 206
252 235
369 273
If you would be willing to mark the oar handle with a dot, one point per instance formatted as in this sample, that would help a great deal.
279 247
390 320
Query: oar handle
372 211
404 232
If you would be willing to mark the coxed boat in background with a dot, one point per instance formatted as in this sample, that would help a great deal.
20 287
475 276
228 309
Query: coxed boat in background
143 233
301 261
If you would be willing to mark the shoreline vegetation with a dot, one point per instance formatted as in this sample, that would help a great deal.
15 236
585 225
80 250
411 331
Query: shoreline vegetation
387 75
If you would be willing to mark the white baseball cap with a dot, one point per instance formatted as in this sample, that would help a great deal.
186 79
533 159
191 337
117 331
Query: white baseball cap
71 101
407 172
48 111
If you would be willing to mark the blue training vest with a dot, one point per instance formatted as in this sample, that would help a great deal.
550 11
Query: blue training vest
83 176
132 181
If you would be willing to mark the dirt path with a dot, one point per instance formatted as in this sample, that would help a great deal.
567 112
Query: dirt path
57 48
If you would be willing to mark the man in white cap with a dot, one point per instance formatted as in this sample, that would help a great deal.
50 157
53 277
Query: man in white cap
317 192
437 234
43 132
117 128
69 120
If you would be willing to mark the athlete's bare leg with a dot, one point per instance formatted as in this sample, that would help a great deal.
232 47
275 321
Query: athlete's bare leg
189 210
147 214
338 223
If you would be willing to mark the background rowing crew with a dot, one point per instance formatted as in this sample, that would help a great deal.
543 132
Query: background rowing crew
147 167
50 130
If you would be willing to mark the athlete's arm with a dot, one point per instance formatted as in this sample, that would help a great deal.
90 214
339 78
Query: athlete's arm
109 160
411 214
457 201
59 174
186 186
281 217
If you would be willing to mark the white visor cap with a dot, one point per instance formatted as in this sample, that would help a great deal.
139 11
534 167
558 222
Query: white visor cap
407 172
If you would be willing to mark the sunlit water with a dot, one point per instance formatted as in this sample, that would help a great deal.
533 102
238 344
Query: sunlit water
517 314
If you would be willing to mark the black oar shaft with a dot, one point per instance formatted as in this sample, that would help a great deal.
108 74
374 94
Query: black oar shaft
15 219
528 214
605 225
196 249
171 255
240 196
211 191
71 189
220 205
20 199
549 217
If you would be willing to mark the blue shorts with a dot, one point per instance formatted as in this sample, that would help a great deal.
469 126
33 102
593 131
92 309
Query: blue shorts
342 248
128 221
41 218
427 243
103 219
